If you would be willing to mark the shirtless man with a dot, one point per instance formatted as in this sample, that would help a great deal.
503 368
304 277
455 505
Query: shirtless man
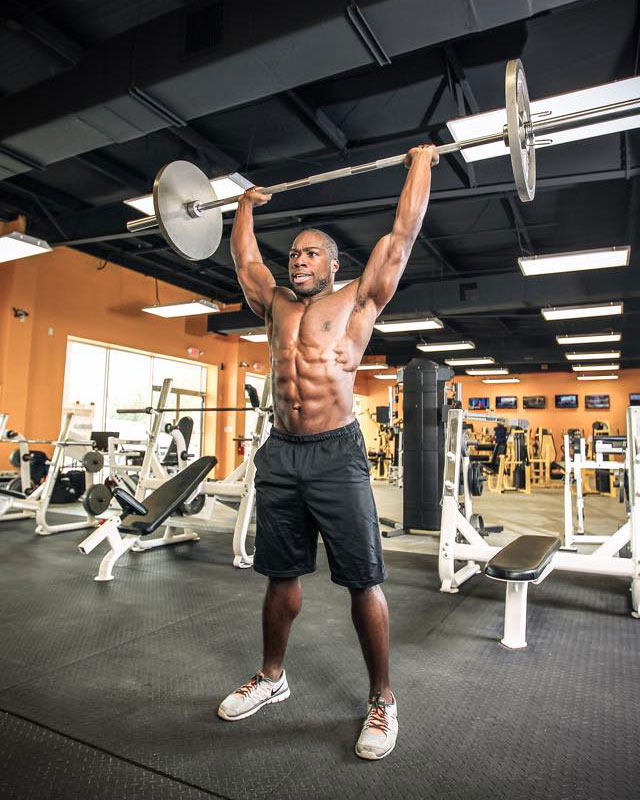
312 473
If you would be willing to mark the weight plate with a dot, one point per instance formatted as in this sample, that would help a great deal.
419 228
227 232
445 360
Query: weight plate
519 131
97 499
194 507
477 522
14 459
176 185
14 485
93 461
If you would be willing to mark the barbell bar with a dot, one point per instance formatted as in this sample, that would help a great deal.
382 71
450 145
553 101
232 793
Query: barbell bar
182 193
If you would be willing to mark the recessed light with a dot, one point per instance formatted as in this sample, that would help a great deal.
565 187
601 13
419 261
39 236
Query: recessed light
468 362
446 346
478 125
18 245
186 309
496 371
501 380
255 337
576 261
589 338
593 356
386 377
580 312
593 367
598 377
225 186
402 326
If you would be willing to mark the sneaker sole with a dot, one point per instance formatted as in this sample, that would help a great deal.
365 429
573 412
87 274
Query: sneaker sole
277 698
373 756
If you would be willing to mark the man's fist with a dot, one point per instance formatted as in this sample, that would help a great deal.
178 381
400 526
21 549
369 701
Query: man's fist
255 196
421 151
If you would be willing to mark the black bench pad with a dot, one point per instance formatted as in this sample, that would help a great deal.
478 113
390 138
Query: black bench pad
12 493
524 559
166 499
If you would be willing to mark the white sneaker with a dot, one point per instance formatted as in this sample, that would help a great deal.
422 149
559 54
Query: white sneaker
252 696
380 730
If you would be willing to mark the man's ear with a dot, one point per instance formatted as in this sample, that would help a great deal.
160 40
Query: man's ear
335 266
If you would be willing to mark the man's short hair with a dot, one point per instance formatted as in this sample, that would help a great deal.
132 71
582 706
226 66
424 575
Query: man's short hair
328 241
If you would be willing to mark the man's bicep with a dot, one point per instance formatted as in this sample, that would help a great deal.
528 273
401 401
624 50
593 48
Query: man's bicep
257 284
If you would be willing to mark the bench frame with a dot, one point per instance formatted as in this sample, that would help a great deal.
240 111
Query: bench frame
459 541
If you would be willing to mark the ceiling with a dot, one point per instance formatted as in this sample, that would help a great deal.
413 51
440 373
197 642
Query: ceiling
96 96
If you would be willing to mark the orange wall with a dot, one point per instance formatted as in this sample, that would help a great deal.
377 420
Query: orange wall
67 293
550 384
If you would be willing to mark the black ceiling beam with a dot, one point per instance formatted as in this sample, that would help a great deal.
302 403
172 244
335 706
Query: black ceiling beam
114 170
20 18
319 122
220 162
436 253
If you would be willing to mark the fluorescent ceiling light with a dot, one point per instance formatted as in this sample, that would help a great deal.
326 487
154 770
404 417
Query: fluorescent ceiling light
372 366
555 106
501 380
468 362
19 245
580 312
255 337
186 309
589 338
401 326
446 346
575 261
593 356
593 367
225 186
598 377
386 377
496 371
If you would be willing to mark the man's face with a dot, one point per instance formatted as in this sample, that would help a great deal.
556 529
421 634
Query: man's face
310 268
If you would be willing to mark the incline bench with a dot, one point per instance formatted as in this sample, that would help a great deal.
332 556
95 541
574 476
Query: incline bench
526 560
140 518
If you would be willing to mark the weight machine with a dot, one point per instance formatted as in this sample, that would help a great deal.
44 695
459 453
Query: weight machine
530 559
182 525
21 500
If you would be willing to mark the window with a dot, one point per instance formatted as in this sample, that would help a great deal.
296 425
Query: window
99 379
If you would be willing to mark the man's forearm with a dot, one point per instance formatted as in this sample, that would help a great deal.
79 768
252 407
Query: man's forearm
244 246
414 198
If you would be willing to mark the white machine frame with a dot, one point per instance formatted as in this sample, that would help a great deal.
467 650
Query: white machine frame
37 503
238 486
573 467
473 550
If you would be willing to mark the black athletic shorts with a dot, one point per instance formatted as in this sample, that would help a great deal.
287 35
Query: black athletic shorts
313 483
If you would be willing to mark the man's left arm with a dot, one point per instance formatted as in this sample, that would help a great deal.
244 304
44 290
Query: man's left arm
389 257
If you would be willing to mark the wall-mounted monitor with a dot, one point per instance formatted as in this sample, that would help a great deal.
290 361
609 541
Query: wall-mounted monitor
534 401
478 403
566 401
634 399
596 401
507 402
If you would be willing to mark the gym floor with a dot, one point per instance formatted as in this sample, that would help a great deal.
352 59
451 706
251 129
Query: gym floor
110 690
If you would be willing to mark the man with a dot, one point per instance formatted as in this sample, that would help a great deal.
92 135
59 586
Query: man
312 473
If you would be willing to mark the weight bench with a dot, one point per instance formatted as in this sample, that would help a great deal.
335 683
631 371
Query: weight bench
140 518
528 559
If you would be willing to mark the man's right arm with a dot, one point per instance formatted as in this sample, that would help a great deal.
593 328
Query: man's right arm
258 284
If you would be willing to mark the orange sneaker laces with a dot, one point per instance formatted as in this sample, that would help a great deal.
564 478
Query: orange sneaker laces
247 687
377 718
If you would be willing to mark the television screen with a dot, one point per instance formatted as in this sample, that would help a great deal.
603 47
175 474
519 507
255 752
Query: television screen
634 399
596 401
534 401
566 401
478 403
506 402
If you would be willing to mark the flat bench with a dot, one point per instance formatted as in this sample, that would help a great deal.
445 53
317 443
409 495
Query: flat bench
528 559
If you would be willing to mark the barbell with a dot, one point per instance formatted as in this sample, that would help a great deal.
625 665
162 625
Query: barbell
182 193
